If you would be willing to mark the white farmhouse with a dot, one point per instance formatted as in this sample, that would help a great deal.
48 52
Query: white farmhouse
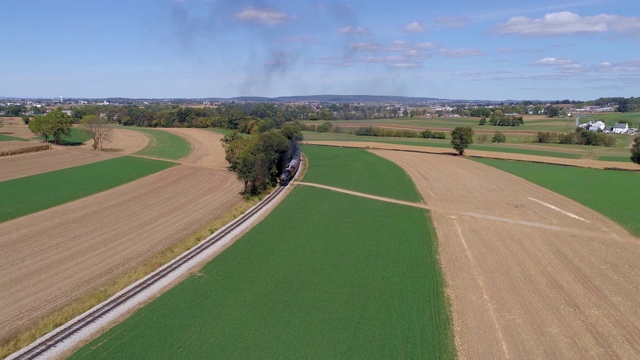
620 128
597 126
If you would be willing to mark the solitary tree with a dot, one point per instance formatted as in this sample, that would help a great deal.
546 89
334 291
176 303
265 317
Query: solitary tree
461 138
635 150
97 127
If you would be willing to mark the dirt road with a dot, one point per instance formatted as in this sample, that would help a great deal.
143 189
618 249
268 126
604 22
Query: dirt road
49 258
530 274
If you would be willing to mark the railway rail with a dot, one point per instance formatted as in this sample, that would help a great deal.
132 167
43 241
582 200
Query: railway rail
52 340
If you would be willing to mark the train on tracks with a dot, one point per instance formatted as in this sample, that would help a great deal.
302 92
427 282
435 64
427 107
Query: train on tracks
291 170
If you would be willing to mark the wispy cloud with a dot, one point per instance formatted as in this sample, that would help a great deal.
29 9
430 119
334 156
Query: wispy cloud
365 46
461 53
414 27
352 30
554 61
565 23
453 21
262 16
299 39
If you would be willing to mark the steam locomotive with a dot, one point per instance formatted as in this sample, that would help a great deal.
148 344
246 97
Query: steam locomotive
291 170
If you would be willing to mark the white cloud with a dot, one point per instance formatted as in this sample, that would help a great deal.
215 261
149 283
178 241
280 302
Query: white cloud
554 61
382 59
262 16
461 53
414 27
426 46
365 46
405 66
352 30
454 21
564 23
400 45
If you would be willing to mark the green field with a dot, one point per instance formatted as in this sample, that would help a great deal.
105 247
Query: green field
30 194
358 170
77 137
324 276
617 196
163 145
531 124
542 150
11 138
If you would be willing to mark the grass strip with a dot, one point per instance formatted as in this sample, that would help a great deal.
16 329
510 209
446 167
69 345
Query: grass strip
11 138
85 303
30 194
358 170
324 276
164 145
616 196
615 158
77 137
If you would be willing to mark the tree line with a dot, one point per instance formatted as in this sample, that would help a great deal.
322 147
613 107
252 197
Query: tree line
580 137
260 158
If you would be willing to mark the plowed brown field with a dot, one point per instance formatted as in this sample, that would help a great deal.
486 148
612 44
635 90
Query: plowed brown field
530 274
61 157
51 257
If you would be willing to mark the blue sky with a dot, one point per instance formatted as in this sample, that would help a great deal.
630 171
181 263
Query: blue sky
456 49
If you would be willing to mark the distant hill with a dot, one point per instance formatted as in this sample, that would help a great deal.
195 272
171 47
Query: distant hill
343 99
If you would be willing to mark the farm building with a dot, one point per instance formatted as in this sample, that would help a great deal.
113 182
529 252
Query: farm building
620 128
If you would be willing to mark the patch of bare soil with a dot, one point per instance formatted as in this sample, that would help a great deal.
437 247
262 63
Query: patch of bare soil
587 163
530 274
123 142
49 258
206 148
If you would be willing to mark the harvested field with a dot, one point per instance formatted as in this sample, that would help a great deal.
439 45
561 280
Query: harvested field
17 147
530 273
53 256
206 147
49 258
62 157
587 163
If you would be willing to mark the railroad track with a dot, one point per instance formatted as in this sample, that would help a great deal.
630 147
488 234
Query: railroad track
46 343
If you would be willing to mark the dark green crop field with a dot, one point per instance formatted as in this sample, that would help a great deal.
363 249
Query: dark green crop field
30 194
324 276
358 170
611 193
163 144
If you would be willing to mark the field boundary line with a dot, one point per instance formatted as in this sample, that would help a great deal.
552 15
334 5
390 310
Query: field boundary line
559 210
374 197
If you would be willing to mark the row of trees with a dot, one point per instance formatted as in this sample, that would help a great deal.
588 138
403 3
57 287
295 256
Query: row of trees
259 159
376 131
580 136
498 118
